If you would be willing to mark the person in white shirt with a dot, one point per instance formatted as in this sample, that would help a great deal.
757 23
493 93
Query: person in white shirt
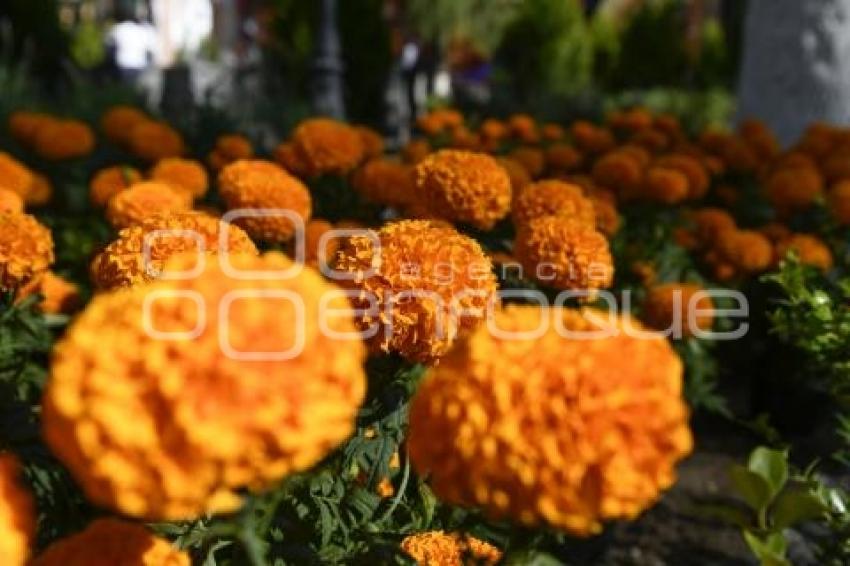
134 46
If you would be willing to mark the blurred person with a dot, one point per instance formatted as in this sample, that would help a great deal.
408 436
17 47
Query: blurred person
409 63
133 45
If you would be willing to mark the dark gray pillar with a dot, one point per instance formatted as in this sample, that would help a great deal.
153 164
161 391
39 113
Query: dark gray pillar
327 65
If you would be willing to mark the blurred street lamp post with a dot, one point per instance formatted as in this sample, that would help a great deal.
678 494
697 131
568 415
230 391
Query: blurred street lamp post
327 65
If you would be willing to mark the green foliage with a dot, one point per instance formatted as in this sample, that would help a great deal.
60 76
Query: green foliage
87 46
480 21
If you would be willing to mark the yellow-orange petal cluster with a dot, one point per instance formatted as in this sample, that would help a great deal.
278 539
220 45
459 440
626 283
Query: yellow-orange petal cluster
372 141
748 251
551 197
26 249
327 147
563 253
683 309
568 426
185 174
464 187
114 542
10 201
17 514
166 400
139 253
793 189
420 285
14 175
810 250
144 199
263 186
110 181
438 548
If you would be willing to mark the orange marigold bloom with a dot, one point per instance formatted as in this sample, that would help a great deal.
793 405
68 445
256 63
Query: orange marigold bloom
26 249
415 151
698 179
516 172
186 174
811 250
426 284
524 128
563 157
564 253
17 514
591 138
839 202
24 124
313 232
63 139
671 306
41 191
58 294
553 132
14 175
112 541
144 199
710 223
620 171
125 262
287 156
257 184
665 185
546 198
10 201
465 187
652 140
553 429
232 398
118 122
775 231
439 120
493 130
607 217
791 190
634 119
836 166
385 181
233 147
438 548
152 141
533 159
110 181
372 141
747 251
327 146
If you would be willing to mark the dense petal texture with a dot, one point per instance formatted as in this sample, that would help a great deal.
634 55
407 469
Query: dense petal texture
438 548
145 199
26 249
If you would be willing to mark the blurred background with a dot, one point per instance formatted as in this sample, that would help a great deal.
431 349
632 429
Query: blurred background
265 64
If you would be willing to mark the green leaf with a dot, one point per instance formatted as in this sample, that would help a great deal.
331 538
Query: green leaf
770 465
770 550
795 505
727 514
752 488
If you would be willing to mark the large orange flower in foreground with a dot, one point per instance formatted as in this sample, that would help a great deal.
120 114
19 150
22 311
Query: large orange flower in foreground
113 542
263 186
552 429
564 253
124 263
422 287
17 515
545 198
166 400
143 200
326 146
26 249
465 187
10 201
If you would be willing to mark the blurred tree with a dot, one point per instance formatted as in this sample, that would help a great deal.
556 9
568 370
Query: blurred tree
480 22
36 39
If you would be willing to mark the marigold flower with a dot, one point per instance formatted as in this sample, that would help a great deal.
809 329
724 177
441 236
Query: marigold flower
533 159
810 249
664 185
230 148
524 128
564 253
552 132
465 187
186 174
710 223
747 251
672 306
257 184
14 175
556 428
152 141
563 158
110 181
698 179
386 182
438 548
41 191
652 140
258 390
439 120
58 294
634 119
288 157
516 173
415 151
24 124
760 138
313 232
26 249
145 199
791 190
736 154
17 514
118 122
839 202
607 217
426 284
372 141
775 231
327 146
63 139
620 171
10 201
591 138
127 261
552 197
836 166
112 541
493 130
